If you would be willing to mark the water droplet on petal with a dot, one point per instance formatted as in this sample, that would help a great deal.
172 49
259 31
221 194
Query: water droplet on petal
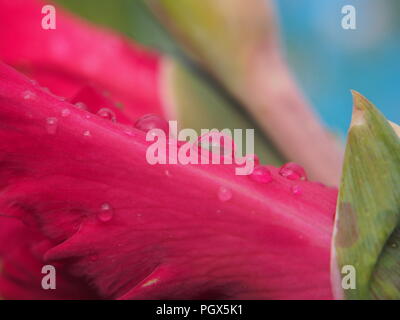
261 174
296 190
51 125
152 121
217 143
168 173
245 163
106 213
28 95
293 171
34 82
81 105
87 133
65 112
224 194
107 114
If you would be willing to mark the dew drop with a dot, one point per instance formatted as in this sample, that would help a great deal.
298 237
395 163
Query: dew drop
224 194
107 114
152 121
296 190
293 171
87 133
28 95
106 213
217 143
65 112
51 125
168 173
261 174
81 105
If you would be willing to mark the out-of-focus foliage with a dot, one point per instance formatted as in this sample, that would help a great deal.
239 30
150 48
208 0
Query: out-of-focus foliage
199 102
129 17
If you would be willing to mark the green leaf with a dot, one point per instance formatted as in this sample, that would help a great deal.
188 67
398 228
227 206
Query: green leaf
367 234
223 36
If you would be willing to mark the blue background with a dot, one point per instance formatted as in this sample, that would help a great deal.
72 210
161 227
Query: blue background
328 61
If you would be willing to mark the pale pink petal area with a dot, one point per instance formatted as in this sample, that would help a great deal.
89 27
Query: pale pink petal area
137 231
76 54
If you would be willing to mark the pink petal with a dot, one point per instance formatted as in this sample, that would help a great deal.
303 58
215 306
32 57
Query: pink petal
76 53
134 231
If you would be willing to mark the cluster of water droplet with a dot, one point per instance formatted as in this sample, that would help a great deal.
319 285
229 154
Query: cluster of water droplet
51 125
224 194
105 213
293 171
262 174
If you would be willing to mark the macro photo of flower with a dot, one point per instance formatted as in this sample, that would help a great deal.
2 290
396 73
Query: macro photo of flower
199 150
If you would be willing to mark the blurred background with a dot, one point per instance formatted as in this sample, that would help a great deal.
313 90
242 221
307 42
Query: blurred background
327 60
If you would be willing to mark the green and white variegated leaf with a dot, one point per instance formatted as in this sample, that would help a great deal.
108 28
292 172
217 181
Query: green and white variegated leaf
366 244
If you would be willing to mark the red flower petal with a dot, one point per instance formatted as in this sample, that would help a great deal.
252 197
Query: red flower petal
21 262
94 101
138 231
75 53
